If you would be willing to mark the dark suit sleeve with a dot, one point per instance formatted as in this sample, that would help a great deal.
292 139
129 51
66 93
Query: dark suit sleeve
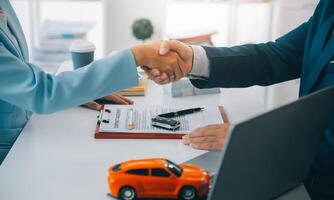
256 64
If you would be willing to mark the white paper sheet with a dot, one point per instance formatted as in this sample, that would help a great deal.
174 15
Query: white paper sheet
142 115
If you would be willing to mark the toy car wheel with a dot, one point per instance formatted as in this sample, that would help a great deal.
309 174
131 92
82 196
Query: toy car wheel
188 193
127 193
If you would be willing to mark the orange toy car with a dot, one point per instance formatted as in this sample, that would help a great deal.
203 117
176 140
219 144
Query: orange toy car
157 178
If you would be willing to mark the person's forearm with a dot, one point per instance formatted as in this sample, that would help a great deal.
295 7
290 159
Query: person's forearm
256 64
34 90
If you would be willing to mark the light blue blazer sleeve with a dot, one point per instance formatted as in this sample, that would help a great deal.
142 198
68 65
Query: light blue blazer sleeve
30 88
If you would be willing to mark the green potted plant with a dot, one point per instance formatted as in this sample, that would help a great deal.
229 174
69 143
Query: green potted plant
142 29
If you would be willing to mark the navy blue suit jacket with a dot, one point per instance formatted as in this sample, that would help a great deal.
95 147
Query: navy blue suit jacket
305 53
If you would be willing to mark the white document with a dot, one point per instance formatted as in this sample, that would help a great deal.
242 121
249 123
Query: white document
117 118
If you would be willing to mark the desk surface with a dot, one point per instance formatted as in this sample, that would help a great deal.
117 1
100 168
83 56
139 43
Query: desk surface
57 157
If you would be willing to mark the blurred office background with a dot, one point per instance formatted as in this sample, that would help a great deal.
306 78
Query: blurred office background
108 23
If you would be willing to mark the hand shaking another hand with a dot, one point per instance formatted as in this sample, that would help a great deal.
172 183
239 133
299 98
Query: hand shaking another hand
164 61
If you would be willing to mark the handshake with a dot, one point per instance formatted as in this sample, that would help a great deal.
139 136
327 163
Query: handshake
164 61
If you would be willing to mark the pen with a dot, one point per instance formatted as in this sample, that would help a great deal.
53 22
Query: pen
181 112
131 124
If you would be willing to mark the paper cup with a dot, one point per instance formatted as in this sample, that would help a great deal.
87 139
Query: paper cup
82 53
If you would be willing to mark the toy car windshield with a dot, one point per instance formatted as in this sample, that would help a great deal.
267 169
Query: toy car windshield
116 168
177 170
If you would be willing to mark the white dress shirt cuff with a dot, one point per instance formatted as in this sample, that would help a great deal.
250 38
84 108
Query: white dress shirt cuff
201 69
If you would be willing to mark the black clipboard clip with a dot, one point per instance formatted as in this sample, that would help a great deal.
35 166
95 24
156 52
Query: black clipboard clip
100 118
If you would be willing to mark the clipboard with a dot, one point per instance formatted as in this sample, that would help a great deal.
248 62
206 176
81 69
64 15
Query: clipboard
176 135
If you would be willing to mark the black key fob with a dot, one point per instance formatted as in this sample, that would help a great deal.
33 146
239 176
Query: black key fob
166 123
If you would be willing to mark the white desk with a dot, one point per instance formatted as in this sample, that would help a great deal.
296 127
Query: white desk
57 158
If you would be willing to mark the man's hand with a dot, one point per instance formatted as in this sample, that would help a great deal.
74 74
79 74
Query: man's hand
113 98
210 138
148 56
184 51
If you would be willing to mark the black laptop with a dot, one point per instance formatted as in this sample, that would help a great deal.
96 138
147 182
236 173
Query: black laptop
271 154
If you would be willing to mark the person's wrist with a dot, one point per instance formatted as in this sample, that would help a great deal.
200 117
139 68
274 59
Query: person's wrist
190 63
139 52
